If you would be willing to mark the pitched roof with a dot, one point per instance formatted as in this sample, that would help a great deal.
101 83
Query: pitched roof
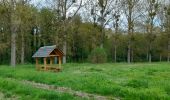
44 51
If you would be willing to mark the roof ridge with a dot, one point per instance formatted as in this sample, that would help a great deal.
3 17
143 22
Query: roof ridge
49 46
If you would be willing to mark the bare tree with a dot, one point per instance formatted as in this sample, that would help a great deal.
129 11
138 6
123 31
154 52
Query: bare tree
105 8
116 17
130 8
116 22
152 10
65 12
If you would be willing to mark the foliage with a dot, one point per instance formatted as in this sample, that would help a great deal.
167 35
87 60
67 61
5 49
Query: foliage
84 32
98 55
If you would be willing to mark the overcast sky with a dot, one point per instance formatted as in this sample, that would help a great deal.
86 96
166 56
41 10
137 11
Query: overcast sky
84 12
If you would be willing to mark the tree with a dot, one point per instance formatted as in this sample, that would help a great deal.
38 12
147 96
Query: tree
152 12
167 29
101 10
116 22
25 12
63 7
47 27
129 7
14 21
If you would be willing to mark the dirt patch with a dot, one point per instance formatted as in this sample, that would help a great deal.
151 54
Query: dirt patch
11 97
69 91
81 94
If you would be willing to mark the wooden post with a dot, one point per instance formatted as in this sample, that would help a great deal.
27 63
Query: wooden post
51 60
45 64
36 60
59 62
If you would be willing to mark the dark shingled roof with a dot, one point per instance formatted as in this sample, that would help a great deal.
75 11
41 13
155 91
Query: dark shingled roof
44 51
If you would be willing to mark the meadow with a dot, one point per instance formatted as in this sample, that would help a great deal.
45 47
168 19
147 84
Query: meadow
138 81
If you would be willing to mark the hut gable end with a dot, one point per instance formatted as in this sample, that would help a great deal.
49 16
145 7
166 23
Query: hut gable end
58 52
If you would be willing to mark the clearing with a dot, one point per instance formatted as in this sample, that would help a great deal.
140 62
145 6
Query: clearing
88 81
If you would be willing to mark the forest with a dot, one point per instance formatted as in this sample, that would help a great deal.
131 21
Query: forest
114 30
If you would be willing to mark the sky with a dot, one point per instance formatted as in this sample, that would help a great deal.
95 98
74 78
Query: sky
85 13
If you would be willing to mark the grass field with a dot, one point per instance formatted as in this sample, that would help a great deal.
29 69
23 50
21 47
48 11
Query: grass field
140 81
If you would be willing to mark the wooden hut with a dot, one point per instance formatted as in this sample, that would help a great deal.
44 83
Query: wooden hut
48 53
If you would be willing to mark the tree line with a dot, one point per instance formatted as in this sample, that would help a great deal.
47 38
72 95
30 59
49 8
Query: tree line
128 30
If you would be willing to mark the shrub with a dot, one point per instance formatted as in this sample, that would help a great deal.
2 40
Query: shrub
167 89
138 83
98 55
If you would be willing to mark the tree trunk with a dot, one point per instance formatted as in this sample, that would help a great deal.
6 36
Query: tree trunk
168 29
168 56
160 58
147 56
102 29
13 49
102 36
39 41
115 47
116 38
129 42
130 22
65 42
128 55
150 42
35 47
150 55
13 26
132 54
64 51
22 50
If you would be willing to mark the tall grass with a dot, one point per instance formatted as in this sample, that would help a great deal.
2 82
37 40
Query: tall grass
141 81
27 92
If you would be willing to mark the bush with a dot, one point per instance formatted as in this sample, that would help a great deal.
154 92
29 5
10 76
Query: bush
98 55
138 83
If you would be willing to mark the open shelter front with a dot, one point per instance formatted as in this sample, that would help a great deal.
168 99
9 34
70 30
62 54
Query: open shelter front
48 53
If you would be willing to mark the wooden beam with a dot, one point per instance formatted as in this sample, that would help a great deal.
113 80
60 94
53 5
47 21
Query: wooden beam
59 61
51 60
45 63
54 55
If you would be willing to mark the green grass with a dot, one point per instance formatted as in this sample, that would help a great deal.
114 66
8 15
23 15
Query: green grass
27 92
141 81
